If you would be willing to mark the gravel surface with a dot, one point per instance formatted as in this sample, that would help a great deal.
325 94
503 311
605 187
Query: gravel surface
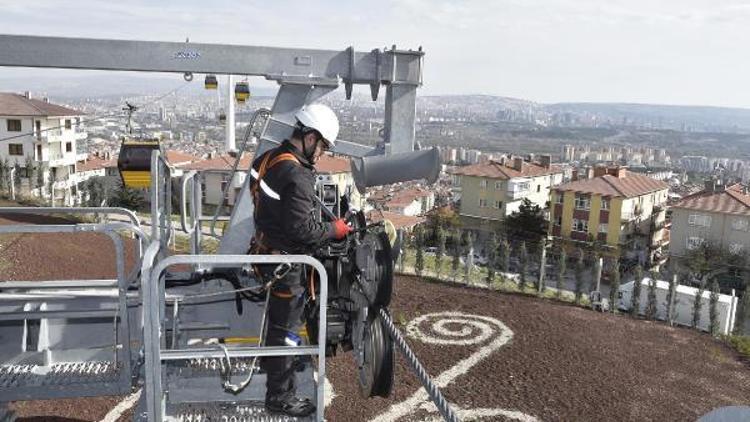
517 357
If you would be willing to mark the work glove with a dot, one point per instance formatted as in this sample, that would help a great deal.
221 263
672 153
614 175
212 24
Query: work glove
340 229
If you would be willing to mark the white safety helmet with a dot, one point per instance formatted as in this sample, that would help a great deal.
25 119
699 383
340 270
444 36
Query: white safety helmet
321 118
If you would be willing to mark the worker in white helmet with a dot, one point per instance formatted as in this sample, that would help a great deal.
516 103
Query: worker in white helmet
283 189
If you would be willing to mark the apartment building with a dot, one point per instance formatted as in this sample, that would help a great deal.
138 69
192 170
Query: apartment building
620 209
44 132
495 189
719 215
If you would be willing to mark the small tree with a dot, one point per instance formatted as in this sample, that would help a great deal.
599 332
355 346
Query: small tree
4 170
17 175
580 270
528 223
713 311
419 249
651 305
31 174
440 252
742 311
671 303
504 261
614 287
456 254
491 258
469 258
540 285
523 258
635 299
596 273
561 268
698 304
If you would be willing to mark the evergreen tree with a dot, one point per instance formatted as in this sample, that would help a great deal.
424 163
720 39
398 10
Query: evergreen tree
51 183
524 262
742 311
614 287
596 273
671 303
528 223
635 298
17 176
504 261
561 268
419 250
456 254
41 171
698 304
491 258
4 175
440 252
580 271
31 174
469 256
540 285
651 305
713 311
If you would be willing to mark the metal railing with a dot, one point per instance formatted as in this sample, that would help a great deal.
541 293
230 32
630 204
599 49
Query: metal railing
154 300
64 290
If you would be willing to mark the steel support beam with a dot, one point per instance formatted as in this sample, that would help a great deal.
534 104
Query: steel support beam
156 56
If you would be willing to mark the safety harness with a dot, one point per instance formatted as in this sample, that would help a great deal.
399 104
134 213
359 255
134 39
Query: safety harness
257 246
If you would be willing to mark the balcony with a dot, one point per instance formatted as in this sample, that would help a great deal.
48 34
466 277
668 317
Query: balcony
517 189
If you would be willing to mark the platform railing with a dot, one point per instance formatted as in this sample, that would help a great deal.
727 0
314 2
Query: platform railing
154 323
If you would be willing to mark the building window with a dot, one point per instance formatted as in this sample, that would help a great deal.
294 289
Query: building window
15 149
603 228
68 147
482 203
699 220
558 220
740 224
559 197
68 124
580 225
694 242
605 204
483 183
583 202
13 125
735 248
498 204
498 185
538 188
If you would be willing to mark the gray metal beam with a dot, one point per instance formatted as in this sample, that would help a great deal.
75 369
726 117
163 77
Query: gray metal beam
154 56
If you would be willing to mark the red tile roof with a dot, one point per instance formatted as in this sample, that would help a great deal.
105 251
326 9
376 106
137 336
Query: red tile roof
329 164
19 105
93 163
222 162
399 221
496 170
731 201
180 158
629 186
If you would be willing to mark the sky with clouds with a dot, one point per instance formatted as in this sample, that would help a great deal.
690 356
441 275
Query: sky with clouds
668 52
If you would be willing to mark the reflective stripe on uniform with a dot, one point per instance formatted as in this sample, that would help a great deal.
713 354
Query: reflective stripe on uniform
268 191
254 173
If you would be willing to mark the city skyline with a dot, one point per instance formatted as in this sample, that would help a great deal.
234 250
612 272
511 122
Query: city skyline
679 53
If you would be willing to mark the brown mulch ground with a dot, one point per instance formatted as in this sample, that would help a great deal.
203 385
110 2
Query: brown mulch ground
562 364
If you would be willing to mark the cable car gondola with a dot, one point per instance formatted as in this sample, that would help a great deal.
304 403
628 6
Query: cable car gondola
211 82
241 92
134 162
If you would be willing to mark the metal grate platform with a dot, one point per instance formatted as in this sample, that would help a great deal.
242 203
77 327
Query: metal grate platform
68 379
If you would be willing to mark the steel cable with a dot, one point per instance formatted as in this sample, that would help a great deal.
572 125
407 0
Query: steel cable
432 390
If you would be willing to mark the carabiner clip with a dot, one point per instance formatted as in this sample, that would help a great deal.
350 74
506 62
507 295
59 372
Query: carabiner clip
282 270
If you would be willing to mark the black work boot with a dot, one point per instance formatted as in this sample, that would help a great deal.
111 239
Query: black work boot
291 406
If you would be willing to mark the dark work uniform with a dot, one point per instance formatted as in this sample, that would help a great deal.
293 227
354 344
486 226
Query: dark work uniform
286 223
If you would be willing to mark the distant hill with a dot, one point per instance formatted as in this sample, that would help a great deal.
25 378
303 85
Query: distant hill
697 117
